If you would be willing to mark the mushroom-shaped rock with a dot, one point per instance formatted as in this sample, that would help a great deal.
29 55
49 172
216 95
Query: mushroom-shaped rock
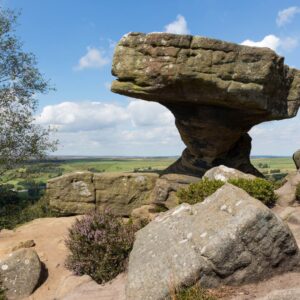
216 90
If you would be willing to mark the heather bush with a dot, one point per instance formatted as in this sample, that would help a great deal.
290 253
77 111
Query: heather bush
258 188
100 244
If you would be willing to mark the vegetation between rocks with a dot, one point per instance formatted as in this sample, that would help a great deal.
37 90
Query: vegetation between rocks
195 292
258 188
100 244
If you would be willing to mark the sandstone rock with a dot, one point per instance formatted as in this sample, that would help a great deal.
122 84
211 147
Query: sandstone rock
113 290
80 192
164 192
287 294
230 238
296 158
287 193
20 273
146 213
73 193
224 173
26 244
216 90
123 192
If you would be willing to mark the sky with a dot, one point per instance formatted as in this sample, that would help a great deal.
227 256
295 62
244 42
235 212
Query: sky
74 42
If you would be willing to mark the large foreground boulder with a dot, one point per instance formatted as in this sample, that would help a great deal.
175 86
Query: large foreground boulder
20 273
230 238
216 90
296 158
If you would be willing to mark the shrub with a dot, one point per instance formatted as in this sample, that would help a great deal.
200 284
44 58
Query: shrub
197 192
195 292
274 171
100 244
258 188
13 215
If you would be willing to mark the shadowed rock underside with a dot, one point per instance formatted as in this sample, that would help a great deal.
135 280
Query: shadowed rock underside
216 90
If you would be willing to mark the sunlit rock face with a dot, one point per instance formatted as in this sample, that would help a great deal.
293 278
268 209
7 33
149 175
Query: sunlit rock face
216 90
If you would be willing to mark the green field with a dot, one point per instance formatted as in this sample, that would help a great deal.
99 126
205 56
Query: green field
43 171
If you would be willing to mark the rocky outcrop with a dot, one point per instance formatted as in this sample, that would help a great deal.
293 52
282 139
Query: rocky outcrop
20 273
216 90
296 158
230 238
287 193
80 192
224 174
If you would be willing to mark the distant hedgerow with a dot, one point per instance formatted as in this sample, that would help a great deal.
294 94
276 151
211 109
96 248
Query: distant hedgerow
100 244
258 188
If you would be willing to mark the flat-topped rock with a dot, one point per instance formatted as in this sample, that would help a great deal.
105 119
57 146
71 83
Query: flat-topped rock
80 192
216 90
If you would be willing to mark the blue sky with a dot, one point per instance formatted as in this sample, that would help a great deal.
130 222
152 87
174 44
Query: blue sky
73 41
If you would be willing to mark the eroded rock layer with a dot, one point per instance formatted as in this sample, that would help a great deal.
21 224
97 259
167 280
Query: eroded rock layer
216 90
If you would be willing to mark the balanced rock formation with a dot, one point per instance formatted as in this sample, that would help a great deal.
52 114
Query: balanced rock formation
230 238
216 90
80 192
20 273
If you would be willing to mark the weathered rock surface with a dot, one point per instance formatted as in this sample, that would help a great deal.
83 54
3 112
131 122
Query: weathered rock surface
80 192
296 158
20 273
230 238
287 193
216 90
123 192
224 173
288 294
72 193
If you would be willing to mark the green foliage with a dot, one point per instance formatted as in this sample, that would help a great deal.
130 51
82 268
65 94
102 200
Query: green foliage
258 188
197 192
263 165
17 208
20 82
99 244
195 292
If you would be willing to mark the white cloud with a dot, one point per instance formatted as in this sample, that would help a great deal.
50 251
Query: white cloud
273 42
95 128
270 41
277 137
179 26
93 59
286 15
85 116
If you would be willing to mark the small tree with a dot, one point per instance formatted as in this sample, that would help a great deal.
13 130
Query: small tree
20 82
